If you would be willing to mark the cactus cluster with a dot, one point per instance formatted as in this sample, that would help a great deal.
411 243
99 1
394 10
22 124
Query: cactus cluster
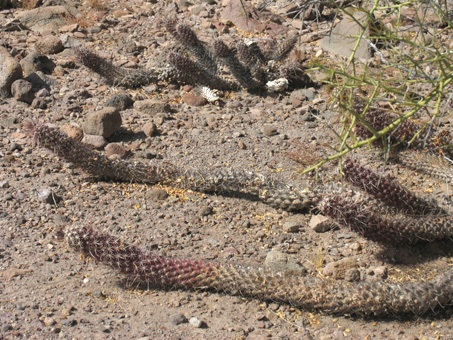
422 221
249 67
310 293
413 219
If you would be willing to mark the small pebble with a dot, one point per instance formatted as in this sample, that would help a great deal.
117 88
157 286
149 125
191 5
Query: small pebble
196 322
178 319
270 130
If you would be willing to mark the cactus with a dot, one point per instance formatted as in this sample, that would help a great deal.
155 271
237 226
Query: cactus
310 293
113 74
361 219
188 39
429 163
224 181
387 190
197 74
379 119
245 64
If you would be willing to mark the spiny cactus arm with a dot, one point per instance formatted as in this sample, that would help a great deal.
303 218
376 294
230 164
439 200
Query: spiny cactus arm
93 162
198 75
113 74
408 230
429 163
284 49
239 71
387 190
224 181
309 293
189 40
403 132
248 56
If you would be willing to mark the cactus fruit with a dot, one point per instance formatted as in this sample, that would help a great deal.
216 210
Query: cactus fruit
310 293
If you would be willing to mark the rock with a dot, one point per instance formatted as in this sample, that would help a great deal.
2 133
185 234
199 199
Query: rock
43 19
150 129
196 322
103 123
194 100
255 20
338 269
35 62
40 80
10 71
178 319
48 196
293 224
352 275
376 273
320 223
281 262
49 44
117 149
343 38
120 101
206 210
22 90
38 103
69 41
150 106
48 321
94 141
297 98
270 130
157 194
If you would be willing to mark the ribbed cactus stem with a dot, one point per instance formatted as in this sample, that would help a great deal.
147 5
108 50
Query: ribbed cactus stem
228 182
239 71
357 216
189 40
387 190
429 163
196 73
310 293
113 74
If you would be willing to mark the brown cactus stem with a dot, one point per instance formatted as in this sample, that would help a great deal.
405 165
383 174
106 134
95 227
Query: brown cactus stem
189 40
387 190
429 163
239 71
114 75
408 230
310 293
227 182
284 49
197 74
